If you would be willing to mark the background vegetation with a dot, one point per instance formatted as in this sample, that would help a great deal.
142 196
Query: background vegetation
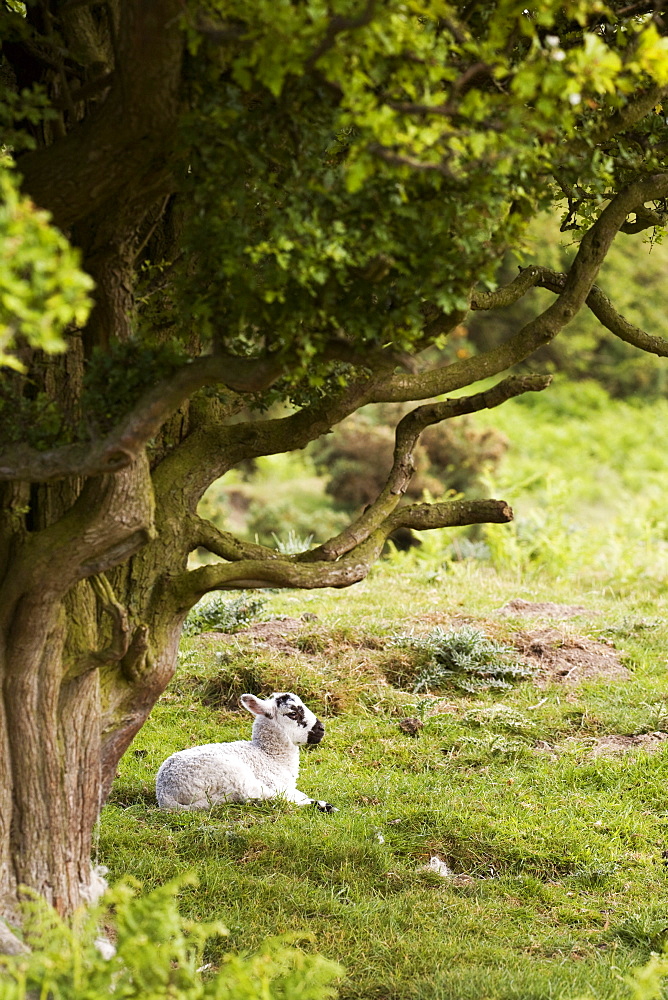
313 493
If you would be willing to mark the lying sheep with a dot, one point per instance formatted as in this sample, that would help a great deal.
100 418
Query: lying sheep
261 768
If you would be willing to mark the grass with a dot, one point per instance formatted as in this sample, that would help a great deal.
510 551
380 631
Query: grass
559 854
564 852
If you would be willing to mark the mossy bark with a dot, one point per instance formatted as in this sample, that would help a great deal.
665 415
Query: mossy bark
82 661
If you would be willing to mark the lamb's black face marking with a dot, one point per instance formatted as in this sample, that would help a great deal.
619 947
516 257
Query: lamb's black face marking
296 712
316 733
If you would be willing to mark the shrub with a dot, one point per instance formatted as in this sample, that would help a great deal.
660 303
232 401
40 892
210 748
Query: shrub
158 955
465 658
460 454
215 614
357 457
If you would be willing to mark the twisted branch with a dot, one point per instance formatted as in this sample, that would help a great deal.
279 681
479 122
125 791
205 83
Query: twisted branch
123 444
597 301
347 558
507 295
204 534
287 571
543 328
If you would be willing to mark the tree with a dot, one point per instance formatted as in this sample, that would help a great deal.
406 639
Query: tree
278 202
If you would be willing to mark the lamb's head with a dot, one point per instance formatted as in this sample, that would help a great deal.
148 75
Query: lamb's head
286 712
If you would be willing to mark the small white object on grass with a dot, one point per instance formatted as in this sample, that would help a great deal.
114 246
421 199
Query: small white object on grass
438 867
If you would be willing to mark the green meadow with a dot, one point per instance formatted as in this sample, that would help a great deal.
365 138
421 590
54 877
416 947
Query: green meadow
545 800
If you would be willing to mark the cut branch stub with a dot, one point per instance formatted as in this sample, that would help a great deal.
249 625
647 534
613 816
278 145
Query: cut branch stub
449 514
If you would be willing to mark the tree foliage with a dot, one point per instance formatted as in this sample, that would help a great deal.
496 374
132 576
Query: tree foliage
284 203
633 275
42 288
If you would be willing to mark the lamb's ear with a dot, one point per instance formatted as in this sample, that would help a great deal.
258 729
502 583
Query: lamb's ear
255 705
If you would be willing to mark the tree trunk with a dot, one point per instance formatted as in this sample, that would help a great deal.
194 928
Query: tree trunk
81 665
63 734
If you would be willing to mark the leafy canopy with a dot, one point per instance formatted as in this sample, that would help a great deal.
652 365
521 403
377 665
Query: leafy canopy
356 182
347 174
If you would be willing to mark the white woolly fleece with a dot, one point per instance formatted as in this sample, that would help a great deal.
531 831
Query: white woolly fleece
266 766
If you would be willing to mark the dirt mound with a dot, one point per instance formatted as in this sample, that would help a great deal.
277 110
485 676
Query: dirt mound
567 658
546 609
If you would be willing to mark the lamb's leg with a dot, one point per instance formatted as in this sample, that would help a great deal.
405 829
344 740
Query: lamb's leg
303 800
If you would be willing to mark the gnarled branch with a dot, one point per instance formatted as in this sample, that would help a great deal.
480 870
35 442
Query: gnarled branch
124 443
204 534
544 327
597 301
607 315
508 294
287 571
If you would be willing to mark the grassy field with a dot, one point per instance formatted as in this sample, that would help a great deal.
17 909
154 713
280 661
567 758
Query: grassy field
547 800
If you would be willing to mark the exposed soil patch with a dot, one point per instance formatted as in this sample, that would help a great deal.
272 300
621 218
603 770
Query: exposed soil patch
612 745
303 635
544 609
555 655
279 633
568 659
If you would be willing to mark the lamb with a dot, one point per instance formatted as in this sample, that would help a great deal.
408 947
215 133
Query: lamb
260 768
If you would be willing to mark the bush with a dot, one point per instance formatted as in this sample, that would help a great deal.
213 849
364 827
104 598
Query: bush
465 658
357 456
219 615
158 955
